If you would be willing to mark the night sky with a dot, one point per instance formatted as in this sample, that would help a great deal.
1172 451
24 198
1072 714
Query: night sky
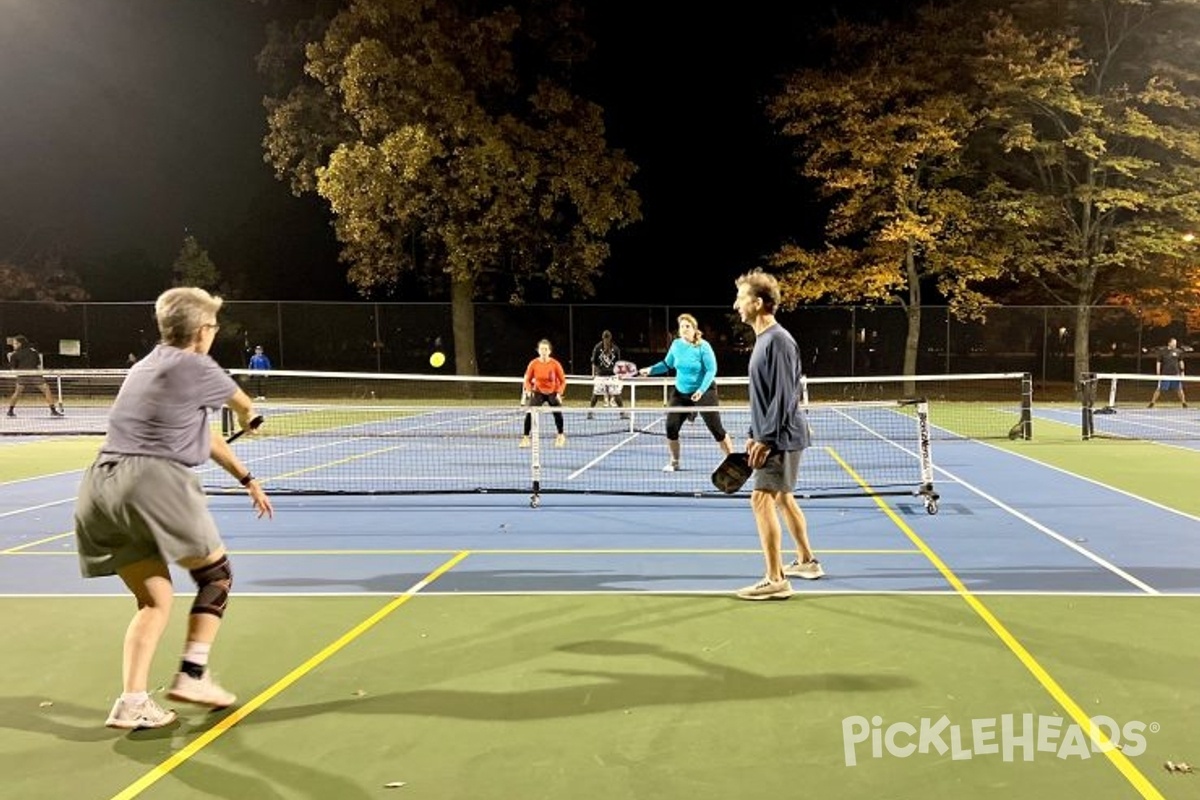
129 123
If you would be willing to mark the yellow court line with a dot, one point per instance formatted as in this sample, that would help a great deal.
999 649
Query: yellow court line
502 552
15 550
1121 761
213 733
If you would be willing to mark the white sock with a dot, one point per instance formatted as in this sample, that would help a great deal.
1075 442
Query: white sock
197 652
134 698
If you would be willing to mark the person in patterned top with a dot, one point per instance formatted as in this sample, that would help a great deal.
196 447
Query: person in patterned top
606 386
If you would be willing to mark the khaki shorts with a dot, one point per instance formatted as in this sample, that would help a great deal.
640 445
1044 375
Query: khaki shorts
132 508
780 473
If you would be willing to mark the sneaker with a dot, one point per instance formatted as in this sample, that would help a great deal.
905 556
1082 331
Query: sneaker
56 412
591 415
767 590
525 441
12 413
202 691
560 440
1151 405
259 399
144 715
672 466
808 570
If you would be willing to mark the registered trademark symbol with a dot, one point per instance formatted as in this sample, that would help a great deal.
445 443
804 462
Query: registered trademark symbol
1154 727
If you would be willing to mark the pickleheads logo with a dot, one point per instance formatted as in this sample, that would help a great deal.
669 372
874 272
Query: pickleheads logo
1008 736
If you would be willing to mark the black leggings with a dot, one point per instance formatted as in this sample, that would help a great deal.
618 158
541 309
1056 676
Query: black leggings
539 399
712 419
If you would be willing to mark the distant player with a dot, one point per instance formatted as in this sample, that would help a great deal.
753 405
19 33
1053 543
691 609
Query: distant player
26 358
1168 365
545 382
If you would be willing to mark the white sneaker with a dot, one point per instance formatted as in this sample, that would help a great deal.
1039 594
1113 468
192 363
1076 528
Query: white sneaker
560 440
525 441
202 691
672 466
767 589
808 570
148 714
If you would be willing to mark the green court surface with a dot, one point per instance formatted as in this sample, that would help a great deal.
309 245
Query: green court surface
652 697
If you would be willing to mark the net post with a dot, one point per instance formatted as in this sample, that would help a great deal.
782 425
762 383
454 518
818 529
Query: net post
535 455
1087 400
1027 406
926 491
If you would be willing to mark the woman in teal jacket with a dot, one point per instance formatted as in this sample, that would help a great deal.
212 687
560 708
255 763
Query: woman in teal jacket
695 366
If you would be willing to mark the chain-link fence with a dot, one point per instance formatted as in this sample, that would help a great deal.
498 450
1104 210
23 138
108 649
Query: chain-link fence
399 337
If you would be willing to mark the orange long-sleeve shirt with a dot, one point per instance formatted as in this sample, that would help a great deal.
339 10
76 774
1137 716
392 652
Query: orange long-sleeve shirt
546 377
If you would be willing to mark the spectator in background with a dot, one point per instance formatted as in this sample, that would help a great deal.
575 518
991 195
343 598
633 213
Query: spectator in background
259 363
1168 365
606 386
26 358
545 382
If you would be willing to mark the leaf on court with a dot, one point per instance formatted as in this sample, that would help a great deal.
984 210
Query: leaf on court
1181 767
359 693
45 704
394 785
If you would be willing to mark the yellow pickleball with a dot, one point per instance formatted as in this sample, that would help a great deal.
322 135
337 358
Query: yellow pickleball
437 359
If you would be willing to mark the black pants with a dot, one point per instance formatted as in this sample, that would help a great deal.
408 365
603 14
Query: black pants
712 419
539 399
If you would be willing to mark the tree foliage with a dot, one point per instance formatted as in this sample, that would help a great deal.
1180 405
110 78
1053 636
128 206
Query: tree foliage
193 267
883 133
449 146
1094 132
44 277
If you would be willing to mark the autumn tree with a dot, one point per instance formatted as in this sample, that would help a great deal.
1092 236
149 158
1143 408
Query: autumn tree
43 277
448 144
882 131
1094 111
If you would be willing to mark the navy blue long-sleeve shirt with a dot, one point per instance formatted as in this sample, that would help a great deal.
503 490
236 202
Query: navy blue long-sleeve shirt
775 372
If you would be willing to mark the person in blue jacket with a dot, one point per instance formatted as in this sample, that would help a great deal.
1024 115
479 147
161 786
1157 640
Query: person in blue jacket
695 366
259 362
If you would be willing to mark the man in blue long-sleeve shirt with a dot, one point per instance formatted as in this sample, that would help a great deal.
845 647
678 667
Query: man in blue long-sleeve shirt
778 436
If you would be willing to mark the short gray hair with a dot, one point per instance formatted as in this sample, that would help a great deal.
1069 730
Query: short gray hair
181 312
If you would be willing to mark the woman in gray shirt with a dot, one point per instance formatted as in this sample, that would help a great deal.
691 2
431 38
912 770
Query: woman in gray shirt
141 507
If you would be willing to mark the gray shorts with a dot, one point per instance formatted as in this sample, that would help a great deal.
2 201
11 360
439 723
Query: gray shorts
131 508
780 473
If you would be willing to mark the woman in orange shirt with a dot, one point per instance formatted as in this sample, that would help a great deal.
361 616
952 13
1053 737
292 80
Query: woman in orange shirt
545 382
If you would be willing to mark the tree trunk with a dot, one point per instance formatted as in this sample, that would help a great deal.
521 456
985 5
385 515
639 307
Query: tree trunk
462 313
1083 328
912 342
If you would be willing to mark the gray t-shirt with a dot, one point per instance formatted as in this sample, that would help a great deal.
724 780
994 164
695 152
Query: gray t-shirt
775 372
163 405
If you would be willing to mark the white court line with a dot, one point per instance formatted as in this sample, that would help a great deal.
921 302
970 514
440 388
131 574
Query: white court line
39 507
1083 551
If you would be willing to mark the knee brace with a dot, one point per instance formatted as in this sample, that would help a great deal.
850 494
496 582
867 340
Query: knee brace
212 588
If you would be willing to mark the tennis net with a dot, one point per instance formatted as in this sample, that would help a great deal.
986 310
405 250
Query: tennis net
859 448
1119 405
